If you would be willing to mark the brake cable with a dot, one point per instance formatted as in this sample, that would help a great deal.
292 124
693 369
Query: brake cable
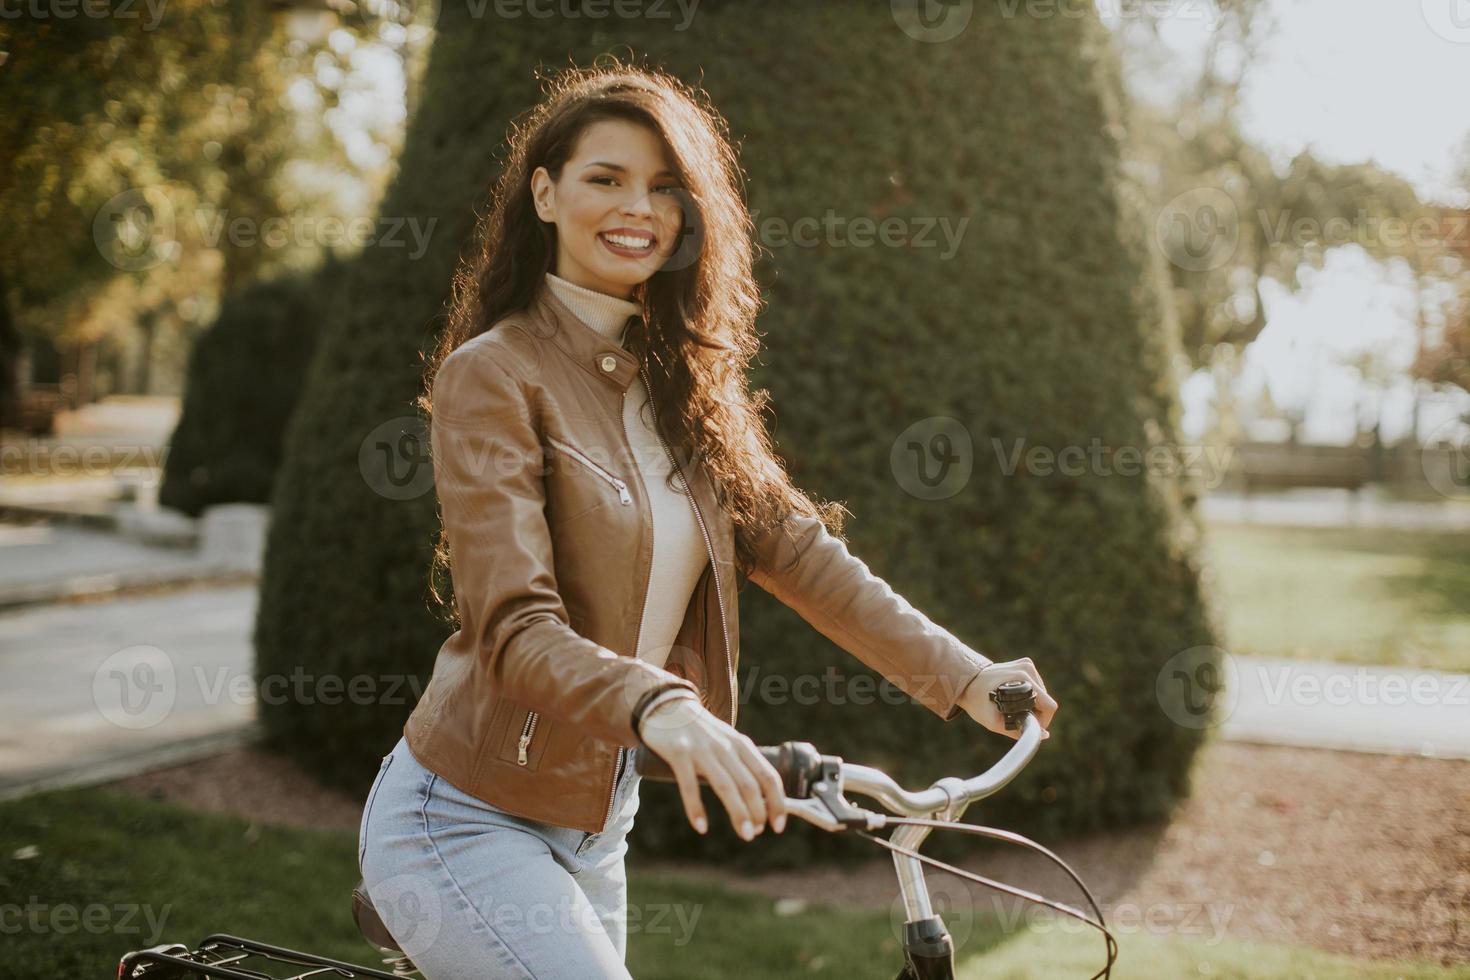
1007 836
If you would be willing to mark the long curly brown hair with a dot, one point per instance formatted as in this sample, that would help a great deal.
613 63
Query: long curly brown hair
697 335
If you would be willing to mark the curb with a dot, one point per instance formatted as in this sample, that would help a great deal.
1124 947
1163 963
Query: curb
117 585
82 517
157 757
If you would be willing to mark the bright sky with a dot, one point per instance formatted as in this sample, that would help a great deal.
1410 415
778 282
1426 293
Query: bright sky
1353 81
1382 81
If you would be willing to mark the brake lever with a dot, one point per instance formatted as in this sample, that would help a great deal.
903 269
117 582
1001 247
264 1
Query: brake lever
830 810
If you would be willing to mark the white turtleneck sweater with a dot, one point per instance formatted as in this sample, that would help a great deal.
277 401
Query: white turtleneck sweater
679 555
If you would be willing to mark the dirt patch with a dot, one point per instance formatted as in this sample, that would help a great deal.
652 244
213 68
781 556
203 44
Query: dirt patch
1364 855
250 783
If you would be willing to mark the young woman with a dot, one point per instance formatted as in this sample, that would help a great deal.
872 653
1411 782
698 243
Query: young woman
606 488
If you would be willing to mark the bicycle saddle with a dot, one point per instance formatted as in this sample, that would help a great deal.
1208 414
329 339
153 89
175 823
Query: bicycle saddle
368 920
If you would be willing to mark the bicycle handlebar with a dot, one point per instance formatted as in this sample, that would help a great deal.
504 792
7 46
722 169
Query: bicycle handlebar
798 763
806 773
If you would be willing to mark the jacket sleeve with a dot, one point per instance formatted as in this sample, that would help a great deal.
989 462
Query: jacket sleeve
811 571
488 473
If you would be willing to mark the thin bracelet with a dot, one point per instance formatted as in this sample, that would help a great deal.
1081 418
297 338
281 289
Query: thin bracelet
672 683
667 694
656 698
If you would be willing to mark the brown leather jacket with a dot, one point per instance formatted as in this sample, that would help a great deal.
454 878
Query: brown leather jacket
531 701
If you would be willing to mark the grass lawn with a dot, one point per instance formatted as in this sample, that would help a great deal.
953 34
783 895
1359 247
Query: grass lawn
88 874
1358 595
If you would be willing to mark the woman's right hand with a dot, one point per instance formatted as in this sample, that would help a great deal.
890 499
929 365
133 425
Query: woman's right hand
695 743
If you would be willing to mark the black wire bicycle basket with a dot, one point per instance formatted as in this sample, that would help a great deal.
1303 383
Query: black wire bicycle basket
224 957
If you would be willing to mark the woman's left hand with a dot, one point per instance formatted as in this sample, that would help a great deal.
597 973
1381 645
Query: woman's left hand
976 698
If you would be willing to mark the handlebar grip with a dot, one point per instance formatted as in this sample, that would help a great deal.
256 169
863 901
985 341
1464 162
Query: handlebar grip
798 763
1015 699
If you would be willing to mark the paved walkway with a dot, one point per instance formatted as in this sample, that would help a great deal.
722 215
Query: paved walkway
1336 508
89 692
44 562
141 424
1400 711
87 500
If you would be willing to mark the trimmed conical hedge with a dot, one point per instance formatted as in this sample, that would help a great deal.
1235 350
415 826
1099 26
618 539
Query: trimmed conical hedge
245 376
1037 320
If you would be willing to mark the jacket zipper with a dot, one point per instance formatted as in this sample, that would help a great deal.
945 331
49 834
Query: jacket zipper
586 461
612 793
529 729
526 732
709 544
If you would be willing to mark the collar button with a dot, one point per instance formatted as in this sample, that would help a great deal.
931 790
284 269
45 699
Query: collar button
609 363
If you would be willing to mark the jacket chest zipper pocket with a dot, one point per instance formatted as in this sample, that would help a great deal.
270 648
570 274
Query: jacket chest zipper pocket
528 730
592 467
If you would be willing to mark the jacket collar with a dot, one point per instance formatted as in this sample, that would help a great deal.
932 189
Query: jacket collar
591 350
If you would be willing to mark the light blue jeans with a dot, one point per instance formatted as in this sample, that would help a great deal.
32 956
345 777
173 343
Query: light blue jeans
471 891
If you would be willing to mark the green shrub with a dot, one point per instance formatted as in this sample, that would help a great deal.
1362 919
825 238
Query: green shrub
244 379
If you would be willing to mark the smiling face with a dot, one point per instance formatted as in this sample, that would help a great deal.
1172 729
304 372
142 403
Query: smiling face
616 207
